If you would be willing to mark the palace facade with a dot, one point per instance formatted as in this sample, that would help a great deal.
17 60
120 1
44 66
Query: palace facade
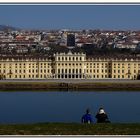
69 66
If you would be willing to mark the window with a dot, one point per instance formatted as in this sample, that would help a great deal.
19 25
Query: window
65 70
73 71
58 70
62 70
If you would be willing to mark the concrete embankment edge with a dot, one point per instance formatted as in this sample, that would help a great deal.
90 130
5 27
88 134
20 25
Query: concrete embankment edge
81 86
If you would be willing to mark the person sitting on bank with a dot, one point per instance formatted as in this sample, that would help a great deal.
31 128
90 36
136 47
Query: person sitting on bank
102 117
87 118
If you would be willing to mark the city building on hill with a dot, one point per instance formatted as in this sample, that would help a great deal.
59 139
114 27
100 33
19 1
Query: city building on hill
69 66
70 40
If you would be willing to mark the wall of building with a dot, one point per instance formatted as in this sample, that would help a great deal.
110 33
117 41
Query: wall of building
73 66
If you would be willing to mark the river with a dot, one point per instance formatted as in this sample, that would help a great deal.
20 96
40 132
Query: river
34 107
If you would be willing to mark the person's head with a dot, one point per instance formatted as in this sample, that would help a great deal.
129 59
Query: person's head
101 111
88 111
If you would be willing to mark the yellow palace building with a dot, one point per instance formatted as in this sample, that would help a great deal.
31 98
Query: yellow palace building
69 66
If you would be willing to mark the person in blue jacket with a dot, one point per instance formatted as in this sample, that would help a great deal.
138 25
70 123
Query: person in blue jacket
87 118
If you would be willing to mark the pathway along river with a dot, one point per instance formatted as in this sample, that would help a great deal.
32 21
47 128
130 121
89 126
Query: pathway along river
33 107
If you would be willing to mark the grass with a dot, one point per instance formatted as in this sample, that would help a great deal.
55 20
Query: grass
70 129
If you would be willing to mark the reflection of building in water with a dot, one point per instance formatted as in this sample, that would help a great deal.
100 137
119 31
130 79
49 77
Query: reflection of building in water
69 66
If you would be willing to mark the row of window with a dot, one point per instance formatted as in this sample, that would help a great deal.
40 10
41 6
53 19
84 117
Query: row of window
24 71
73 64
69 58
72 76
91 65
23 64
92 76
114 76
29 76
115 71
70 71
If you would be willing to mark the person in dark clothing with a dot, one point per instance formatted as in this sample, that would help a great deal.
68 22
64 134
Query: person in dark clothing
87 118
102 117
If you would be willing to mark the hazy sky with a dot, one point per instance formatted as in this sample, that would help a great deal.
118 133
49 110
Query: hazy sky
71 16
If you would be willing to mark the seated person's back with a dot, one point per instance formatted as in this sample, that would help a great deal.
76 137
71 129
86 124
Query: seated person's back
102 116
87 118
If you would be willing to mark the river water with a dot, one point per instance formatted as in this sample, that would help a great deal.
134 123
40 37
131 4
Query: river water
32 107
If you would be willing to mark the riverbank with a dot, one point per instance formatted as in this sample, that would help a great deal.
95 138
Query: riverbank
72 86
70 129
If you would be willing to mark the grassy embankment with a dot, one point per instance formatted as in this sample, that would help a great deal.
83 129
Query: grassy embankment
70 129
57 86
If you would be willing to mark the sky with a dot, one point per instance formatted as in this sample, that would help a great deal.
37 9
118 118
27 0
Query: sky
112 17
